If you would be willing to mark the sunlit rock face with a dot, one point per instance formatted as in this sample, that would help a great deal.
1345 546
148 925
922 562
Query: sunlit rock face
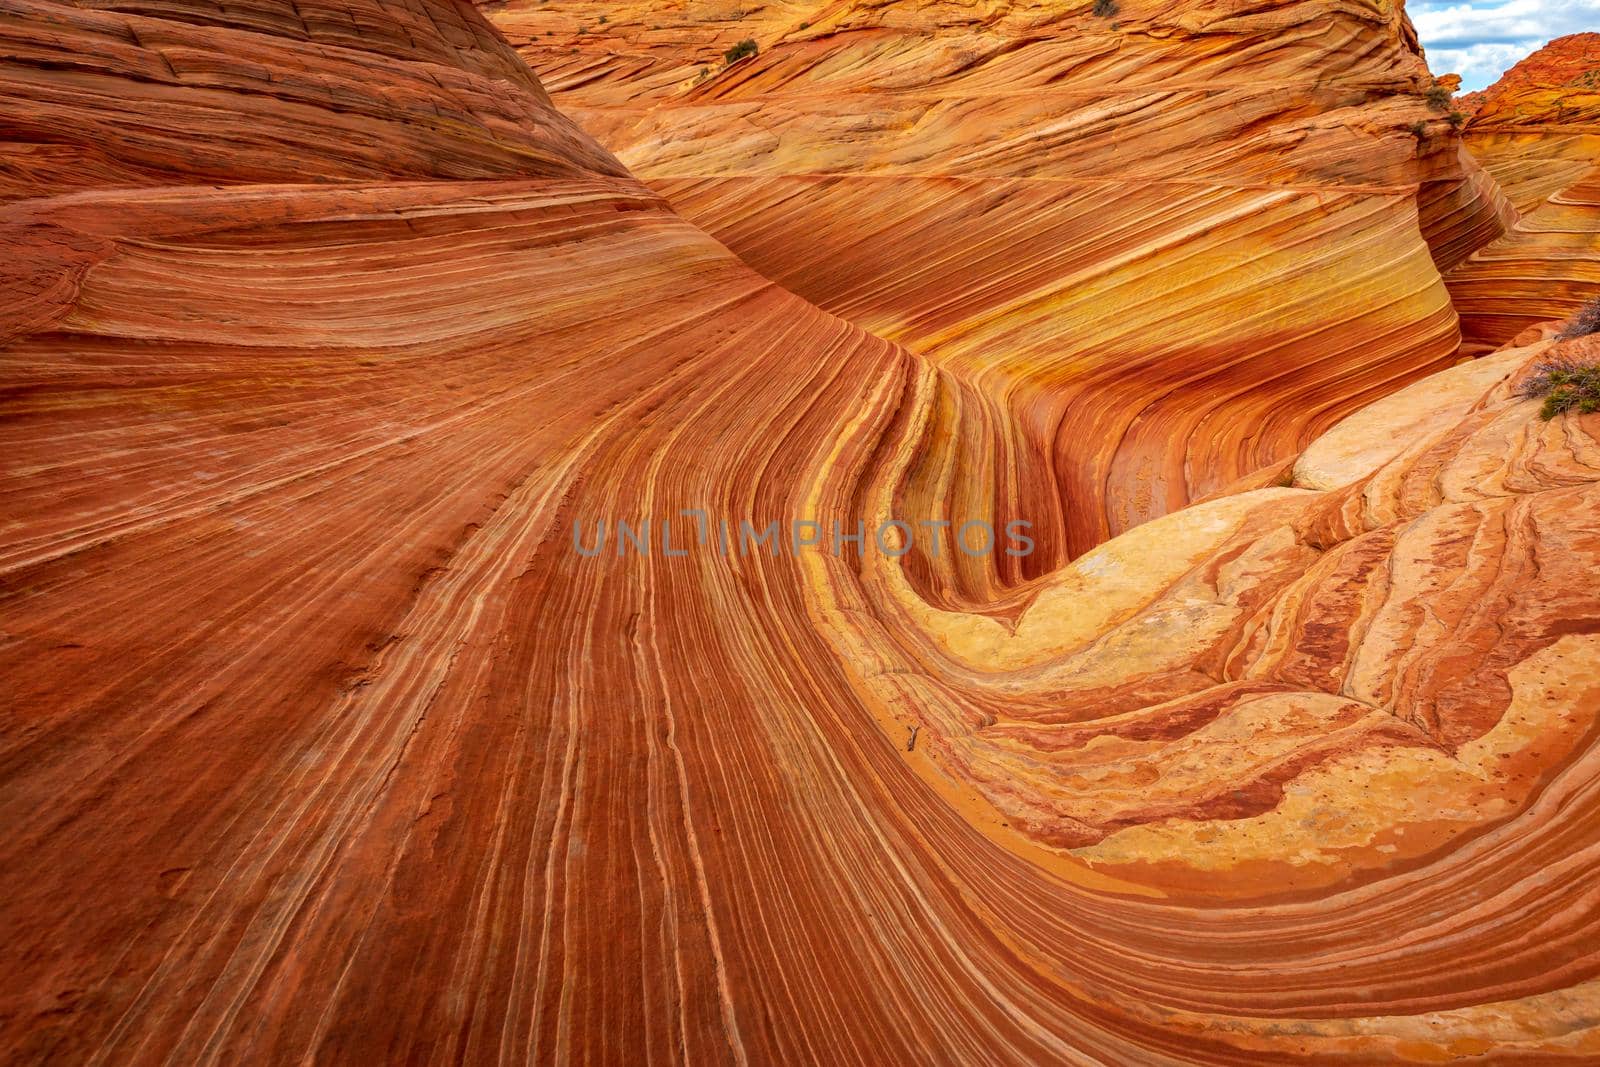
1171 242
324 743
369 89
1537 131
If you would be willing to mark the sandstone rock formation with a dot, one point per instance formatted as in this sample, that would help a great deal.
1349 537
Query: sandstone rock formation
323 744
982 184
1547 266
1537 131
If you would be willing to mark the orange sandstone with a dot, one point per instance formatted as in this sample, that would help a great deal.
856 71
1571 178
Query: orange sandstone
1537 131
323 745
1242 189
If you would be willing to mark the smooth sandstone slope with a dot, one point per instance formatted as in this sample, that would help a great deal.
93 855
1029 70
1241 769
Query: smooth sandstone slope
1253 189
322 744
1537 130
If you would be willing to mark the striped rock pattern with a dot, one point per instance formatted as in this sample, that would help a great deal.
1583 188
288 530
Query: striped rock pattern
1244 186
1537 131
323 743
1547 266
363 89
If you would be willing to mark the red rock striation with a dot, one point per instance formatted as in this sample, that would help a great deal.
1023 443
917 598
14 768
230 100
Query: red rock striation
368 90
1537 131
1261 194
323 744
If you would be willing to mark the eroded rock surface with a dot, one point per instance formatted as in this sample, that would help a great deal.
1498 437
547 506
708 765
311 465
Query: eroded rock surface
1537 131
323 744
1261 194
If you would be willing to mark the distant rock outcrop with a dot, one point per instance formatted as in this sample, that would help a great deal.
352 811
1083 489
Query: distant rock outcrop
1537 131
1559 83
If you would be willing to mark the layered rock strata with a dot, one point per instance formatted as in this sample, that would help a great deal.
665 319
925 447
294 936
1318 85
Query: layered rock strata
1537 131
1263 196
324 743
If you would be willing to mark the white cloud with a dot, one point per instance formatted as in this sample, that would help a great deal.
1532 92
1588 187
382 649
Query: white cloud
1479 65
1480 40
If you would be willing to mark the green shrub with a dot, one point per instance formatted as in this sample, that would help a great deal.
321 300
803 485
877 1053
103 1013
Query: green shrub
1564 385
1105 8
1419 130
1456 119
1438 97
604 20
746 47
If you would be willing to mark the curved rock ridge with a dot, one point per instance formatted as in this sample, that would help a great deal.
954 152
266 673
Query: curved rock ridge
1547 266
325 742
1244 185
1537 129
1528 89
357 91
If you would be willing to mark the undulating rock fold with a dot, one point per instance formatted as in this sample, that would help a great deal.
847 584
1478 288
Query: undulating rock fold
981 187
1537 129
1537 132
1547 267
343 725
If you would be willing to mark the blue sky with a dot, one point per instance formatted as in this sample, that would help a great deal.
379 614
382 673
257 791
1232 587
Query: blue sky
1479 40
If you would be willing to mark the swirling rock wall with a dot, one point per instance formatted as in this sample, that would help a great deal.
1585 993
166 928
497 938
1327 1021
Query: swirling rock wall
1537 131
323 744
981 185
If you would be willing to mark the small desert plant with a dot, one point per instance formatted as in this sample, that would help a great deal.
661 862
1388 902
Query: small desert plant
1105 8
1456 119
1419 130
1564 385
604 20
805 25
1585 322
1438 97
746 47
